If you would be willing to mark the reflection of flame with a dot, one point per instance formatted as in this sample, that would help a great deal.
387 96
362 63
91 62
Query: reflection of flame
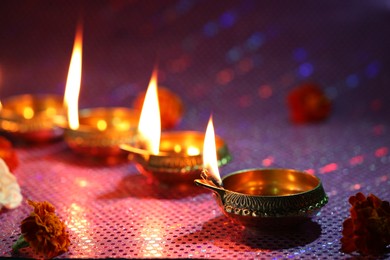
190 150
149 126
101 125
79 225
210 162
73 81
28 113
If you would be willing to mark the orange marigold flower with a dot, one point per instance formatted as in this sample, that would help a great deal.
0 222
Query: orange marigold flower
367 231
308 103
8 154
171 107
43 231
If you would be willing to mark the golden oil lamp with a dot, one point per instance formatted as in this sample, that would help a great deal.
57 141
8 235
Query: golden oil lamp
94 131
31 117
262 198
169 157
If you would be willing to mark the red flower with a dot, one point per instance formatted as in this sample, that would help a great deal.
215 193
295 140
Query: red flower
43 231
308 103
171 107
8 154
367 231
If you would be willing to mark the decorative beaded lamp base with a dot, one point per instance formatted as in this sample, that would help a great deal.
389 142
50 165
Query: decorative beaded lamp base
268 197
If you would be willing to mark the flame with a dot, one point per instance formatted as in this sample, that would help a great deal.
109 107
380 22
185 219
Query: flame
210 162
149 126
73 81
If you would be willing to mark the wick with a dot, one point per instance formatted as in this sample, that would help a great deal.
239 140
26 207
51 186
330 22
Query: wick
208 177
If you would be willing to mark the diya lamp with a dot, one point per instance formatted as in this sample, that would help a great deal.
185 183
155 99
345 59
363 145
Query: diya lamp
93 131
172 156
31 117
261 198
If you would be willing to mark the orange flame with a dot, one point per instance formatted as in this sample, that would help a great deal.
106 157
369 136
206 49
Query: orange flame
210 162
149 126
73 81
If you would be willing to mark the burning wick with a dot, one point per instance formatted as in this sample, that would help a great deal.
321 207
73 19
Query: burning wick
210 162
209 178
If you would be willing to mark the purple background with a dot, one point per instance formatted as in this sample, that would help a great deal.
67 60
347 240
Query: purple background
235 59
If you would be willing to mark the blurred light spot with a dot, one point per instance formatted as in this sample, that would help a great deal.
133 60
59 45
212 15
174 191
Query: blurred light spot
101 125
210 29
82 183
234 54
356 160
255 41
28 113
306 69
352 81
357 186
268 161
245 101
372 69
376 105
329 168
300 54
310 171
378 129
245 65
227 19
265 91
380 152
225 76
331 92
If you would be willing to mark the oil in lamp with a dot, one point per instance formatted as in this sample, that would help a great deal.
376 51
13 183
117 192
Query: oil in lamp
168 157
265 198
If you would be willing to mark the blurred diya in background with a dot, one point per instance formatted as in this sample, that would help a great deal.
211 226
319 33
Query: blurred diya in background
169 157
31 117
94 131
265 198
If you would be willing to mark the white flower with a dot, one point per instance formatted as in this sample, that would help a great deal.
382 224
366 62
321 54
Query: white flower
10 196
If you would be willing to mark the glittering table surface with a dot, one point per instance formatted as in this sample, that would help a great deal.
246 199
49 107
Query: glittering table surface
235 59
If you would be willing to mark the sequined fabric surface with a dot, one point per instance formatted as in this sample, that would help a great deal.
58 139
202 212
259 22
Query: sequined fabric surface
235 59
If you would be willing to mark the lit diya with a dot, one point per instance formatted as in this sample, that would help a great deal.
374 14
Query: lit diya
168 157
265 198
93 131
31 117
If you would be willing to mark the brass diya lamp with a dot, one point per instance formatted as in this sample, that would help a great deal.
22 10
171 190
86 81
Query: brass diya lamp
179 158
169 157
101 131
31 117
266 198
95 131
